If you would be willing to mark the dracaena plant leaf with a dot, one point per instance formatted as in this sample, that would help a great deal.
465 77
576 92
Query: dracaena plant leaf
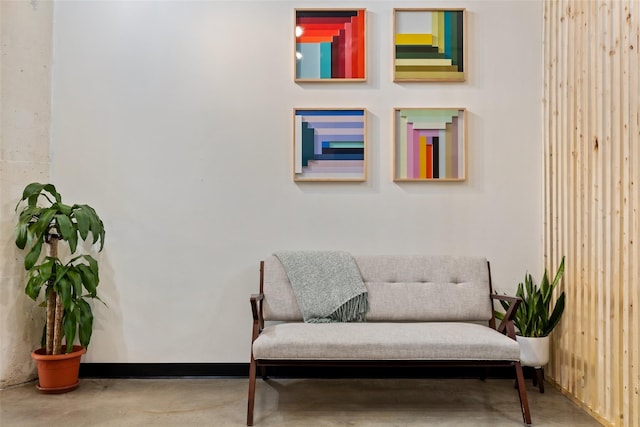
85 322
82 221
89 279
31 193
33 255
69 327
67 231
44 219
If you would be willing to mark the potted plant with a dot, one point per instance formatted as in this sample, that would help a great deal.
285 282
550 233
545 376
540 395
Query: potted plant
67 282
534 318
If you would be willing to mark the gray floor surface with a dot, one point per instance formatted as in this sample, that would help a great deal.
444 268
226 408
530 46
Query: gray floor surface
288 402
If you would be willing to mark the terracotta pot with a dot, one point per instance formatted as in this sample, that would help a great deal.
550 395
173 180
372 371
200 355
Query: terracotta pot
58 373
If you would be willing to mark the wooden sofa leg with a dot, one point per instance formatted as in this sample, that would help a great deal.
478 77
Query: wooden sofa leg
252 391
540 379
522 392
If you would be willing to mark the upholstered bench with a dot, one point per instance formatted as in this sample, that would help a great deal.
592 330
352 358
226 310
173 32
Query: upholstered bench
423 311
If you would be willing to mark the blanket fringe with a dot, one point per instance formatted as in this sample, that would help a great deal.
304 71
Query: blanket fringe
353 310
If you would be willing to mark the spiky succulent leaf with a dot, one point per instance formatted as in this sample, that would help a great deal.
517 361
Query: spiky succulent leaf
532 318
559 273
555 315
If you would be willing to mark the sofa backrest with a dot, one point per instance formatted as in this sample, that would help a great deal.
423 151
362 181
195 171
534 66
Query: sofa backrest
401 288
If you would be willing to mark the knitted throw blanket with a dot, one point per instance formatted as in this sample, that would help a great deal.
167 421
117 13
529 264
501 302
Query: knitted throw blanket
327 285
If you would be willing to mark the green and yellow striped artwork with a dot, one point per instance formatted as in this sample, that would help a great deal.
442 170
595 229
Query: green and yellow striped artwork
429 45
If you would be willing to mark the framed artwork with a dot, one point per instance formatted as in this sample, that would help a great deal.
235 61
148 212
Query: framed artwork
330 45
430 144
329 144
429 45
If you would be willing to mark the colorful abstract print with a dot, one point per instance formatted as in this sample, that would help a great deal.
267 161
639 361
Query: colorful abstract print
330 44
329 144
429 144
429 45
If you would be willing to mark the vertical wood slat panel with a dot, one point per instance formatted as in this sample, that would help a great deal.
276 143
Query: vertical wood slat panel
624 231
635 215
549 157
572 220
626 206
606 191
582 299
565 244
614 211
599 214
634 202
592 198
591 142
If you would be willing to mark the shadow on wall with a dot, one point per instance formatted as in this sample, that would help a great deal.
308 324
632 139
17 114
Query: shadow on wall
108 347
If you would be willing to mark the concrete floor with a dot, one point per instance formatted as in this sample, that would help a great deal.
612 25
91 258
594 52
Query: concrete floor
288 403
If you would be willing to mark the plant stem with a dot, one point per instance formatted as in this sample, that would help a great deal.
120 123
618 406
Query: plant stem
57 328
51 302
51 314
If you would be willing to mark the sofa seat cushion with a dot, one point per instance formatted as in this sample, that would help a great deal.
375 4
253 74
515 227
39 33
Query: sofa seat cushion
384 341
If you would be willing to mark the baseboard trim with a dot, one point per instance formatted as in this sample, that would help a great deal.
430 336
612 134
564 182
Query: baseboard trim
163 370
241 370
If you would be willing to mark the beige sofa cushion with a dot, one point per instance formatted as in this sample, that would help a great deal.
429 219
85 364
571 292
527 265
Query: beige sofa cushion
414 288
384 341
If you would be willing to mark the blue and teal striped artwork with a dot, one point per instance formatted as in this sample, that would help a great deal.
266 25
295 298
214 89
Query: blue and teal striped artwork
329 145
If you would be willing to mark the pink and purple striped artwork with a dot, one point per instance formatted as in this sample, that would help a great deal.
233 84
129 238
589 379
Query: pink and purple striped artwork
429 144
329 145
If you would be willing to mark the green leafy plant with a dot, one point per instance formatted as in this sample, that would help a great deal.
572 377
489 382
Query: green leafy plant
533 317
67 285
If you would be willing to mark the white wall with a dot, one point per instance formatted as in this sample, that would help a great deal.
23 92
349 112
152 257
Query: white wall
174 120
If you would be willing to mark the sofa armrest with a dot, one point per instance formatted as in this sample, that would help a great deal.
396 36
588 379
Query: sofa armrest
256 310
506 326
256 306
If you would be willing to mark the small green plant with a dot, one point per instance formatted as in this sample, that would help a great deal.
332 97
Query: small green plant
533 317
67 285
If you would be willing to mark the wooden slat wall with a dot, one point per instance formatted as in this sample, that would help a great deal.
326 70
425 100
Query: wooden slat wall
592 200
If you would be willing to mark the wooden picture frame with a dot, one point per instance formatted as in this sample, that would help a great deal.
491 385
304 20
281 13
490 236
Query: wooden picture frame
430 144
429 45
330 45
329 144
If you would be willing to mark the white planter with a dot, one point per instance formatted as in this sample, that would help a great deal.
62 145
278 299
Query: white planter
534 351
